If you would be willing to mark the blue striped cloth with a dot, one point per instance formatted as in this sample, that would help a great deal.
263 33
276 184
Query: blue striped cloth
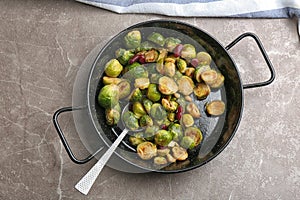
205 8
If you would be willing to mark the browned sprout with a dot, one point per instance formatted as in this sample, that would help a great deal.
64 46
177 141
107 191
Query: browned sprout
209 76
215 108
201 90
193 110
203 58
185 85
167 85
179 153
187 120
218 82
146 150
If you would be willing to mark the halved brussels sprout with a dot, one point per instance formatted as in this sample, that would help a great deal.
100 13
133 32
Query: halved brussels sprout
130 121
136 95
181 65
170 158
171 43
171 59
219 82
209 76
199 70
157 112
163 137
136 139
138 72
187 142
190 72
146 120
201 90
185 85
109 96
179 153
163 152
160 160
203 58
152 93
110 80
193 110
133 39
124 55
150 132
156 38
176 131
169 69
146 150
147 105
215 108
195 134
142 83
113 68
124 89
170 106
187 120
112 116
188 51
151 56
138 109
167 85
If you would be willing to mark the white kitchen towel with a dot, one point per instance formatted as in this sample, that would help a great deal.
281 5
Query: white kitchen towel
205 8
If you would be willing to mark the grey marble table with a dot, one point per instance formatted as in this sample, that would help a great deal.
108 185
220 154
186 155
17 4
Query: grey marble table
42 45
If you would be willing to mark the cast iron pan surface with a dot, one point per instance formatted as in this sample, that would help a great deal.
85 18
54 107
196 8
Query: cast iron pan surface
217 131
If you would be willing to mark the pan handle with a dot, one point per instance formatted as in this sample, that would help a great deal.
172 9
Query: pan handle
263 51
63 139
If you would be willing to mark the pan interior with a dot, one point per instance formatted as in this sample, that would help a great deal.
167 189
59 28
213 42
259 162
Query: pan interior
217 131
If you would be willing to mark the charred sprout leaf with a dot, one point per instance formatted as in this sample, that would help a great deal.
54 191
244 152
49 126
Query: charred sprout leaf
150 132
171 43
124 55
218 82
181 65
195 134
147 105
179 153
171 59
169 69
113 68
162 54
112 116
124 89
146 150
146 120
170 106
157 112
167 85
142 83
203 58
151 56
187 120
163 137
157 38
152 93
202 90
136 95
188 52
133 39
185 85
209 76
215 108
138 109
131 122
193 110
187 142
109 80
109 96
160 160
176 131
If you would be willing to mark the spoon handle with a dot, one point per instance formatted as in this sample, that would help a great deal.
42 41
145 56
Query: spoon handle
86 182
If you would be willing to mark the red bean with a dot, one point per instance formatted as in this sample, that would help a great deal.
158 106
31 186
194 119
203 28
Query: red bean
177 50
164 127
142 59
135 58
194 62
179 112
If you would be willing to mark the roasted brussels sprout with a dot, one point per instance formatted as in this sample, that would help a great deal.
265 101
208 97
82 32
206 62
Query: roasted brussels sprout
138 109
218 82
160 160
185 85
150 132
171 43
170 158
113 68
203 58
124 89
199 70
193 110
147 105
215 108
157 38
170 106
146 45
201 90
152 93
112 116
136 95
179 153
146 120
151 56
187 142
169 69
188 51
171 117
181 65
163 137
190 72
138 72
124 55
167 85
109 96
209 76
146 150
136 139
142 83
187 120
130 121
157 112
133 39
163 151
110 80
195 134
176 131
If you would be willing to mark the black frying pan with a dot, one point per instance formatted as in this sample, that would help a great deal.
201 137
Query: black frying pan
217 131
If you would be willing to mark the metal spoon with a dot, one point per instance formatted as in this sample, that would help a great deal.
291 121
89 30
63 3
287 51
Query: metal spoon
87 181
